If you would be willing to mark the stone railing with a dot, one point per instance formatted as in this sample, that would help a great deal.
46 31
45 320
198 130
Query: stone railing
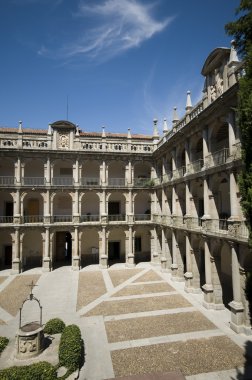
6 219
7 181
32 219
90 181
62 181
61 218
217 158
33 181
195 166
141 217
116 218
89 218
116 182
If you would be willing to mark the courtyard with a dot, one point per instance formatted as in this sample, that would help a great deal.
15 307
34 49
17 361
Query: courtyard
133 321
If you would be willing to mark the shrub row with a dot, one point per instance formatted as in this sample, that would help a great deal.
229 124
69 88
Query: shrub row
70 348
54 326
37 371
3 343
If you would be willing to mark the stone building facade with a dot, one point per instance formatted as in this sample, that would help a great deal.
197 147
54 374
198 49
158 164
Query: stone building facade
82 198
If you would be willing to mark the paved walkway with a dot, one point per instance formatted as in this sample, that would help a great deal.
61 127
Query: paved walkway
133 322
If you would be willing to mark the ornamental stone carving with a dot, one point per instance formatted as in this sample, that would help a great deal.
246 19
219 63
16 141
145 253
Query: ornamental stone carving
63 141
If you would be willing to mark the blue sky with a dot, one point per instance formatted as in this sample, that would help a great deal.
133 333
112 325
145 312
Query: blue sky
120 63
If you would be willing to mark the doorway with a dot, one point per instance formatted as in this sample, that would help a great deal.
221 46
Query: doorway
7 256
114 251
63 247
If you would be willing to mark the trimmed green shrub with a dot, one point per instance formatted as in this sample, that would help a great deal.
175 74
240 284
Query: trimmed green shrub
3 343
70 348
54 326
36 371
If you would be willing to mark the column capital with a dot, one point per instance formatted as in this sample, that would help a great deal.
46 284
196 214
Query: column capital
232 244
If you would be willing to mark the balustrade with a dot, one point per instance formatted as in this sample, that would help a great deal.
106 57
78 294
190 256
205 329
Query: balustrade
90 181
33 181
62 218
195 166
89 218
62 181
7 181
217 158
32 219
117 217
116 182
138 217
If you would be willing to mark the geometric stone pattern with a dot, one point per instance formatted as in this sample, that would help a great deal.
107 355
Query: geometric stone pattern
12 297
91 286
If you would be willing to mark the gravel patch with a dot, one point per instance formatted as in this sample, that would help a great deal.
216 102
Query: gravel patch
138 304
149 276
2 279
143 289
91 286
12 297
118 276
190 357
146 327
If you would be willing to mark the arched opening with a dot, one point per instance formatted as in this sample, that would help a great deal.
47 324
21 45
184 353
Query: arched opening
142 244
142 174
33 208
225 274
116 174
116 207
6 207
116 246
5 250
142 204
32 250
7 172
196 155
90 205
62 208
89 247
90 173
33 173
63 173
63 248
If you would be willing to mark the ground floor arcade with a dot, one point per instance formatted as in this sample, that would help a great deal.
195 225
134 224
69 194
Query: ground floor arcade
213 265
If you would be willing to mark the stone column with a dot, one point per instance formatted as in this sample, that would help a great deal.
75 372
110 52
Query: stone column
187 154
47 171
76 215
234 203
188 197
17 210
174 200
154 248
208 287
103 257
103 173
129 179
188 274
76 172
231 132
164 251
237 308
18 171
16 263
76 256
206 199
205 144
130 255
174 265
103 208
47 214
46 256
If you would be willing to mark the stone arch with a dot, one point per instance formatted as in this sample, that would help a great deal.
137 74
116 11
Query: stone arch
32 206
6 207
90 173
33 171
62 206
196 148
116 173
142 173
142 204
116 206
219 137
225 273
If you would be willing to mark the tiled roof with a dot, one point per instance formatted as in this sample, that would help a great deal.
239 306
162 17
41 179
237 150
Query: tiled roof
24 130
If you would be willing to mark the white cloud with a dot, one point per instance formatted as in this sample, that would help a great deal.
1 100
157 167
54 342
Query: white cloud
120 25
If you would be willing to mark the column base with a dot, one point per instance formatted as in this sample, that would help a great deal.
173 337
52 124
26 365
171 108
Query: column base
208 296
46 264
76 263
103 262
16 266
155 259
237 316
130 261
164 264
188 277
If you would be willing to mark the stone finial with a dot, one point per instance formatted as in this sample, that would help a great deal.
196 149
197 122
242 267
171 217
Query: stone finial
129 133
103 131
77 133
49 132
20 130
155 128
233 54
175 118
188 102
165 126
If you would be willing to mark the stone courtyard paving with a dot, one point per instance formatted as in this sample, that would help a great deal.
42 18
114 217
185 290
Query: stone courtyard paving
133 322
